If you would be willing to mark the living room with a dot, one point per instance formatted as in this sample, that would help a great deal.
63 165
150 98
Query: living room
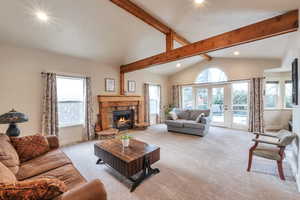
69 70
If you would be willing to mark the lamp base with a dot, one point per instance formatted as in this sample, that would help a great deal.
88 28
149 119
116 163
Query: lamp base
13 130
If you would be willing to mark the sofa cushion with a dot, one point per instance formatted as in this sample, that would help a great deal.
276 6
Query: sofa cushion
193 124
30 147
45 189
6 176
67 173
184 114
175 123
8 155
42 164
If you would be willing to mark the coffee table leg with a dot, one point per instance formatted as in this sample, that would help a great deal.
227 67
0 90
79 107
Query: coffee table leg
99 161
147 171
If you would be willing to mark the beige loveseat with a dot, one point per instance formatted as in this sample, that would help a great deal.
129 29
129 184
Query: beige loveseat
52 164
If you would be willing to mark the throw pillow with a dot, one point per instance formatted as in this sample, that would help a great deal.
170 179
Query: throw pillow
8 155
173 116
30 147
37 189
200 118
6 176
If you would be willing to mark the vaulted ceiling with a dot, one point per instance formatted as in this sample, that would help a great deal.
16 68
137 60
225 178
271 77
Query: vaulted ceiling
99 30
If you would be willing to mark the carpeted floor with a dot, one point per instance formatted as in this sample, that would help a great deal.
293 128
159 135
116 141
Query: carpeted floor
193 168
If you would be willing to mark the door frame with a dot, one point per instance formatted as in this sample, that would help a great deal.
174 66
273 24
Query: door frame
228 107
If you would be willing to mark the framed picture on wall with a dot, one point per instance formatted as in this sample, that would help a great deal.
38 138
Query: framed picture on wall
110 85
295 80
131 86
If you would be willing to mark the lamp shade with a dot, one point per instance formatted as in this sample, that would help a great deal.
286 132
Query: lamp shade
13 117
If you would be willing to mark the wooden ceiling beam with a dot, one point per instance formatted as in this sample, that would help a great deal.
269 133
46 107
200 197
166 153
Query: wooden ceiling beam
169 41
274 26
142 15
152 21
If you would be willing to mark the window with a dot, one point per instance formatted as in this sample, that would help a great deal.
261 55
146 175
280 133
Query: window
272 94
154 95
187 97
202 98
211 75
71 100
288 89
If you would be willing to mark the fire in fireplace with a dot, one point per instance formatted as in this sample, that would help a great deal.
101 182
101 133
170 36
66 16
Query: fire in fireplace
123 119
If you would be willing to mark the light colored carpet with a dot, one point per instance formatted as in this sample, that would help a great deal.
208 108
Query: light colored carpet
193 168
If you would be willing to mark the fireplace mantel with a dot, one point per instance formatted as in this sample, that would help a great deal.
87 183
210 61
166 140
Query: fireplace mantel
108 103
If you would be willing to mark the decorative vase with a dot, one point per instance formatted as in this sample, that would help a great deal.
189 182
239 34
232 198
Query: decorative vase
125 142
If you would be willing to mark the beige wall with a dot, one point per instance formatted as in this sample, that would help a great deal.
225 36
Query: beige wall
21 84
234 68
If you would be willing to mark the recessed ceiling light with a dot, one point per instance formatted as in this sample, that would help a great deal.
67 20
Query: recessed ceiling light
42 16
236 53
199 1
178 65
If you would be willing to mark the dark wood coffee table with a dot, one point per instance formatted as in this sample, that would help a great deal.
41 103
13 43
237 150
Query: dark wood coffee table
138 157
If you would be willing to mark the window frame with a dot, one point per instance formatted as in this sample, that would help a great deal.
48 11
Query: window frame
284 92
72 101
278 103
281 93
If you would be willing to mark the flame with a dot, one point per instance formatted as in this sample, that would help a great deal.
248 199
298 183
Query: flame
122 119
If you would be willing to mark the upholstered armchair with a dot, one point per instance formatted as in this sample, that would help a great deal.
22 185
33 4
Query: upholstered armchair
271 149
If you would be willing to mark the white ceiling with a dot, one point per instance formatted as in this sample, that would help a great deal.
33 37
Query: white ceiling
99 30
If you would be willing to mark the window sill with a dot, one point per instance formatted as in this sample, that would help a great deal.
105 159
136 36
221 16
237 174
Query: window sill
70 126
278 109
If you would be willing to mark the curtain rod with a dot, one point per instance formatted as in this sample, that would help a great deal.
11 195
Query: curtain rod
75 76
215 83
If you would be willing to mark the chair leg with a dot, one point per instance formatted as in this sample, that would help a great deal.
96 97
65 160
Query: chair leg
250 160
280 170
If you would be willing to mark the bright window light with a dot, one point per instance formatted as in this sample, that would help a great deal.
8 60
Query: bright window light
42 16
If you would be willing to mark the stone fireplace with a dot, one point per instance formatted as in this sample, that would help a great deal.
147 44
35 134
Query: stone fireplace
119 111
123 119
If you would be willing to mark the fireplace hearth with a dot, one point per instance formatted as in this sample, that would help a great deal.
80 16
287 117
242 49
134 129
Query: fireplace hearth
123 119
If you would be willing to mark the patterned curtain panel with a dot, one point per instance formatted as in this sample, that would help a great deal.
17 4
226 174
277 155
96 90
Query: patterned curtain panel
50 114
176 95
146 102
89 129
256 115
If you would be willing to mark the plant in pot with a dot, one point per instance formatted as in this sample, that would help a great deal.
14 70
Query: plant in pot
168 109
126 140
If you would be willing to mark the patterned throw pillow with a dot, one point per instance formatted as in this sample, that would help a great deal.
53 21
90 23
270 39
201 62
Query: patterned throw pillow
30 147
173 115
38 189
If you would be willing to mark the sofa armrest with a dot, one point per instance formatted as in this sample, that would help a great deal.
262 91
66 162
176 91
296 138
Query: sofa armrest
93 190
53 141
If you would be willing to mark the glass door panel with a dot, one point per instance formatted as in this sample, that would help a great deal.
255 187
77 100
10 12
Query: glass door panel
217 106
240 105
202 98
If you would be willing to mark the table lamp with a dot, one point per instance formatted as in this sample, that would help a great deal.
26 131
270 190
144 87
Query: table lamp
12 118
